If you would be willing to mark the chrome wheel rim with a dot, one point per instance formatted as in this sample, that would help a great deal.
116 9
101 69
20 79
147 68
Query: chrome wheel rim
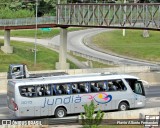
60 113
123 107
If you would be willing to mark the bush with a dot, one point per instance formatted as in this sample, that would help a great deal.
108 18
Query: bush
89 120
6 13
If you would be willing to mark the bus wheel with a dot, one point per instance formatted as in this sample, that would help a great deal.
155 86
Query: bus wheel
123 106
60 112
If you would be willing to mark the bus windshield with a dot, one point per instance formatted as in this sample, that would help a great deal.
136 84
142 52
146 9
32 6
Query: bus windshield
136 86
139 88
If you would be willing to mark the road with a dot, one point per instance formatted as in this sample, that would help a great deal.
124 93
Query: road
75 43
152 94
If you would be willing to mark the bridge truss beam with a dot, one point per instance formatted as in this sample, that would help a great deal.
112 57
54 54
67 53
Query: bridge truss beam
136 16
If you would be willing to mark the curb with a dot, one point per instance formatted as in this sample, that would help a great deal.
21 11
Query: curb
3 92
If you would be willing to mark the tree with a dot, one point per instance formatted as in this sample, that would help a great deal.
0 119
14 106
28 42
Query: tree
88 119
4 3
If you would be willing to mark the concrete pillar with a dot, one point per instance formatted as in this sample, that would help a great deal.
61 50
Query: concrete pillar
7 48
62 64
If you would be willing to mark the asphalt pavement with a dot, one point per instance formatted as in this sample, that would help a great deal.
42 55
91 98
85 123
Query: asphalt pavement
75 42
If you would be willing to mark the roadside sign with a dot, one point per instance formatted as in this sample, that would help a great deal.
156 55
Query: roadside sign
45 29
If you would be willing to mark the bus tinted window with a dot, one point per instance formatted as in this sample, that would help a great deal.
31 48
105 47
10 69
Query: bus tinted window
28 91
81 87
75 88
44 90
131 83
56 90
84 87
64 88
116 85
95 86
111 85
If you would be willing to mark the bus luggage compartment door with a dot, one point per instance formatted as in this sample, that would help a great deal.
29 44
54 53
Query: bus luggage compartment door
44 111
26 111
37 111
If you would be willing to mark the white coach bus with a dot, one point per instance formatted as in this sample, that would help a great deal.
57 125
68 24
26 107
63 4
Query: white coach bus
62 95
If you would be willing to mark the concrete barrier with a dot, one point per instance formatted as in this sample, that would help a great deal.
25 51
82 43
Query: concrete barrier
145 115
142 72
132 114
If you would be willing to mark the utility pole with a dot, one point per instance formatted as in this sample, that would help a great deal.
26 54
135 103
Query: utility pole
59 1
124 18
35 43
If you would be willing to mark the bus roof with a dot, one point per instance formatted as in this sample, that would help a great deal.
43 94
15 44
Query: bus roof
73 78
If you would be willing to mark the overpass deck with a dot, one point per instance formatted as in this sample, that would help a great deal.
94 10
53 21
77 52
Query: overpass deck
129 16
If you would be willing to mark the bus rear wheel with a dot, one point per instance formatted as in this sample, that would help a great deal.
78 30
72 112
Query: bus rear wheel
123 106
60 112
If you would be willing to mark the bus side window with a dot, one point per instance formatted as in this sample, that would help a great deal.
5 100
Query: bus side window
28 91
116 85
81 87
47 90
84 87
23 91
68 88
58 90
103 86
121 85
75 88
33 92
131 83
54 88
62 89
65 88
112 86
94 86
40 91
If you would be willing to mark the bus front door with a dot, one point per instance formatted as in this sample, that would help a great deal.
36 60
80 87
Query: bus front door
139 94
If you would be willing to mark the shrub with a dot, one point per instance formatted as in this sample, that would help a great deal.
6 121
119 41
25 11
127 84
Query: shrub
6 13
89 120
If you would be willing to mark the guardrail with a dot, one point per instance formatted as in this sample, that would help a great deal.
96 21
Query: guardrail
28 21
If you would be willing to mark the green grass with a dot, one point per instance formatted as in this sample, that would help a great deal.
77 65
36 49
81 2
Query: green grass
23 53
94 63
132 45
40 34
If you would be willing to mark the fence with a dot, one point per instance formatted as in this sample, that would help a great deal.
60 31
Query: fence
28 21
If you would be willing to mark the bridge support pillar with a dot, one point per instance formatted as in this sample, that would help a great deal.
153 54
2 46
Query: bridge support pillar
62 64
7 48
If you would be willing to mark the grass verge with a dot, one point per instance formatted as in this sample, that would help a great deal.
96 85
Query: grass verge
132 45
23 53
